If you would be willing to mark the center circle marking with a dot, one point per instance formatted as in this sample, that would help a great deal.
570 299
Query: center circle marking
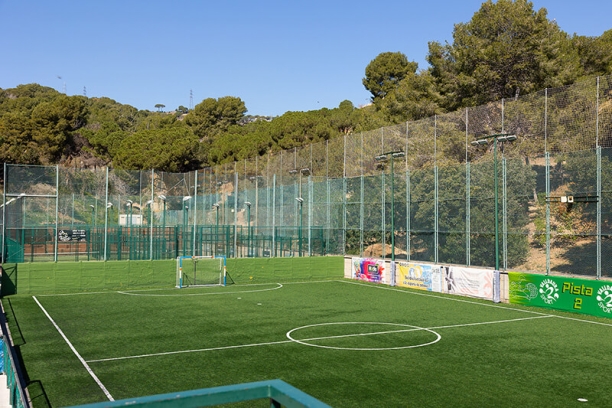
308 342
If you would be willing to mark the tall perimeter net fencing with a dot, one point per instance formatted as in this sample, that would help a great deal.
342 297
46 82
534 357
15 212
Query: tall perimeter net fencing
458 195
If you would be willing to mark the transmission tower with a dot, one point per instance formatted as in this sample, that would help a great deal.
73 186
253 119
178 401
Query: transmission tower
190 99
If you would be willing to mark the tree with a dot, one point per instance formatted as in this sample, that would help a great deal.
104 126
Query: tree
213 116
384 73
344 119
181 110
108 123
415 97
159 107
37 124
171 149
595 53
506 49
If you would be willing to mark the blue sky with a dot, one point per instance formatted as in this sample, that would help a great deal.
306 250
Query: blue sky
275 55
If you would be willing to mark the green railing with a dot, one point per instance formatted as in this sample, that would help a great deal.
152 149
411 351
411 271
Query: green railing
10 368
277 391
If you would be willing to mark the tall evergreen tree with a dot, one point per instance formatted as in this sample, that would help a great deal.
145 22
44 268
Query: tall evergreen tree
507 49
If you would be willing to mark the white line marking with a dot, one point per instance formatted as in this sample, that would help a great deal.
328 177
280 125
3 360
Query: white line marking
167 353
494 322
73 294
380 286
204 293
168 288
81 359
305 342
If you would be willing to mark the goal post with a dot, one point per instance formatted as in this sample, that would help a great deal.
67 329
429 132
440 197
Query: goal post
200 271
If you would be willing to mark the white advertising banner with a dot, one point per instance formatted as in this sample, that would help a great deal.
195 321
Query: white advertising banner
469 281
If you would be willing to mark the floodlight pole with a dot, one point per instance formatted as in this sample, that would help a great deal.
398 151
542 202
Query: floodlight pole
502 137
129 223
216 206
150 204
185 222
92 230
248 204
163 198
383 158
305 171
164 215
93 215
300 201
496 193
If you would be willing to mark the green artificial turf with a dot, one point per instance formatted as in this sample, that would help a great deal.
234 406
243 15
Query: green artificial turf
360 345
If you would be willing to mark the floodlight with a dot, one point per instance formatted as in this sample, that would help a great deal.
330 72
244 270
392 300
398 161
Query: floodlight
382 157
299 199
215 205
305 171
109 205
294 171
248 204
162 197
186 198
398 154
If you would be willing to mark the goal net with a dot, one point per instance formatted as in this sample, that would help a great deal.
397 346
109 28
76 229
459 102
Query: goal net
200 271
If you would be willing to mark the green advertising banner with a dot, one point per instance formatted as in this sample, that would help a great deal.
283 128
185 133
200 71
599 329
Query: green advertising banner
593 297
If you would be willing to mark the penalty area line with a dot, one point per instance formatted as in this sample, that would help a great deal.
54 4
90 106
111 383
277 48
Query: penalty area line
81 359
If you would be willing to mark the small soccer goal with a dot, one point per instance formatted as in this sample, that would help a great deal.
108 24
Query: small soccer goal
200 271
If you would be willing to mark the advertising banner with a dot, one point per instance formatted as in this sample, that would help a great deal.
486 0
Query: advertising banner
556 292
369 269
418 276
75 235
469 281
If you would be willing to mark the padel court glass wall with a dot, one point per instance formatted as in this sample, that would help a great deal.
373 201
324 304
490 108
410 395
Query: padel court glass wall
543 200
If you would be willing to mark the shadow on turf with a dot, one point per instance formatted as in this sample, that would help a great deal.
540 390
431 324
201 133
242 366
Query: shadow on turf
36 391
12 320
9 279
38 396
